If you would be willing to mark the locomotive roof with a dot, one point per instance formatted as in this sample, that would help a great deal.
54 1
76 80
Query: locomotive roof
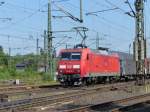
74 50
122 55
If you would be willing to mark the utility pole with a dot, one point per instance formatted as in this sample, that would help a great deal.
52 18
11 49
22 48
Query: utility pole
97 41
37 46
49 39
45 40
140 53
45 51
9 53
129 49
9 62
37 53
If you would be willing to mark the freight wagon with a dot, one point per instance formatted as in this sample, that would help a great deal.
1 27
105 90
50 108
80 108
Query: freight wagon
128 65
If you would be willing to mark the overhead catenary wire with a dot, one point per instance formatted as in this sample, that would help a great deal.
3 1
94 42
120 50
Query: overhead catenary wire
112 4
9 5
60 0
100 4
69 14
19 37
35 29
104 19
114 24
62 41
28 27
23 19
30 10
105 10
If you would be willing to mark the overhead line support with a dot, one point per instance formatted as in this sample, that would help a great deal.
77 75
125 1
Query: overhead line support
140 47
49 43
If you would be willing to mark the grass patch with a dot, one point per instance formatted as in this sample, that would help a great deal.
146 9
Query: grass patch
29 77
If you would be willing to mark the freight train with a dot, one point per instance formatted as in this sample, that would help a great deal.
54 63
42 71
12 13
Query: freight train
80 66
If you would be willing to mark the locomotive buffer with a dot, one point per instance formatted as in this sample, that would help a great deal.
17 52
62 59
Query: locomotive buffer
140 53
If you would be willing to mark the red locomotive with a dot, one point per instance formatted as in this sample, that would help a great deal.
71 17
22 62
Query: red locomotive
82 65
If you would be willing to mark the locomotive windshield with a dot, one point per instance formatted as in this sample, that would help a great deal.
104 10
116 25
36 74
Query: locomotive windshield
75 56
65 56
70 55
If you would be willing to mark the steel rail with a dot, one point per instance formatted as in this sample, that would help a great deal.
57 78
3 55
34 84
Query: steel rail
18 88
112 105
136 106
38 89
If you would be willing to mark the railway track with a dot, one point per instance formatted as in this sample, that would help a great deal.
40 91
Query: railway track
138 107
27 89
11 89
34 102
26 92
21 90
113 106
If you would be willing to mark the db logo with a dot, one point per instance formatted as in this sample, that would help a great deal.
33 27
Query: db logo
69 66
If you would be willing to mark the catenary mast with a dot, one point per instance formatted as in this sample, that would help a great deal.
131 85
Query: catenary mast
49 39
140 42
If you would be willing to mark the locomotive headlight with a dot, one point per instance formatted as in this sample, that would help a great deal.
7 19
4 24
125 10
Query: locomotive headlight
62 66
76 66
56 73
60 71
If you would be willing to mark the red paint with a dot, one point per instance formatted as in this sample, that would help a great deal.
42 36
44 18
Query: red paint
91 62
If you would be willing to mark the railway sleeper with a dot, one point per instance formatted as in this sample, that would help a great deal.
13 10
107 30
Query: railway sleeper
3 98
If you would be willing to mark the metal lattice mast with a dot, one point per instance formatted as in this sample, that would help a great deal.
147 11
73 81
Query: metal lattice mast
140 41
49 43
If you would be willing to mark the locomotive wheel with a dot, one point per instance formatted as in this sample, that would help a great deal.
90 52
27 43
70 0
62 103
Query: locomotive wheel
64 84
126 79
105 80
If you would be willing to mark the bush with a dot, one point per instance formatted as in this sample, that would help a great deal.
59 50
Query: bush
12 72
47 77
30 77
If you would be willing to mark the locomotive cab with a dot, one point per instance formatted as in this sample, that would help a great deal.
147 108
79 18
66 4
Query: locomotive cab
69 67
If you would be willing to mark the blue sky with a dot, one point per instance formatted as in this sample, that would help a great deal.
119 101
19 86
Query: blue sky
29 19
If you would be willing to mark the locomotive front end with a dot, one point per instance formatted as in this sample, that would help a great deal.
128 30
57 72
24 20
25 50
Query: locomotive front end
69 67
